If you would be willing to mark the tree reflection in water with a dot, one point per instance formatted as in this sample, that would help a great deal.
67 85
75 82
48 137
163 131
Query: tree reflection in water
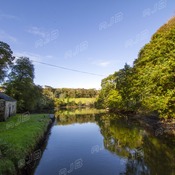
141 152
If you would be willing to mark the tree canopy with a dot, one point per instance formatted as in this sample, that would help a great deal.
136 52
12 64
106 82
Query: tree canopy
22 69
20 84
6 59
148 86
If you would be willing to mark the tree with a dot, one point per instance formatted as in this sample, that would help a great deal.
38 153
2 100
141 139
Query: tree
20 84
148 86
114 100
123 80
154 77
22 70
108 84
116 90
6 59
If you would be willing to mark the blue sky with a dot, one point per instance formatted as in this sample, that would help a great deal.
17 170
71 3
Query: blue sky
96 36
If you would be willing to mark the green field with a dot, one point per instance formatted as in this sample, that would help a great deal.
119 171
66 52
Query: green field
18 139
74 102
78 100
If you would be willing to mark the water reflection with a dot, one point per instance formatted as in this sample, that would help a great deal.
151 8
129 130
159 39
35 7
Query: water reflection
125 139
140 152
67 117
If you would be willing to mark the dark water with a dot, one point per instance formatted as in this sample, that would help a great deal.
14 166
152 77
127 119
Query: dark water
103 144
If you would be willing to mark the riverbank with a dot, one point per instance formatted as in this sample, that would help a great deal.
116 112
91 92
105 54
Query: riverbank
159 127
20 138
152 122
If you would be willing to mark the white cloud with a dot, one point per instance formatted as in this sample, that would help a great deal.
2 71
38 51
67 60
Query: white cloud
104 64
8 16
101 63
33 56
37 31
5 36
49 56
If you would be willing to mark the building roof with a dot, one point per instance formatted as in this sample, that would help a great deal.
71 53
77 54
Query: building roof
6 97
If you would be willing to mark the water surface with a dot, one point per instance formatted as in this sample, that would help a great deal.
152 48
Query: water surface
103 144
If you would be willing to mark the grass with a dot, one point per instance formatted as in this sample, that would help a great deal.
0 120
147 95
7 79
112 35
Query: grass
74 102
19 136
79 100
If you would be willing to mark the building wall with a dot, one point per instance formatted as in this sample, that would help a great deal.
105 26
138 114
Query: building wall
2 109
10 109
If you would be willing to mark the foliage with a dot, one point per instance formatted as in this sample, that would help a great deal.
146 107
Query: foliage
148 86
68 97
123 80
75 93
74 102
22 69
107 85
6 58
31 97
47 99
155 70
20 85
114 100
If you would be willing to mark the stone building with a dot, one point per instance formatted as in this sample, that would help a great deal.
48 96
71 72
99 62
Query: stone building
7 106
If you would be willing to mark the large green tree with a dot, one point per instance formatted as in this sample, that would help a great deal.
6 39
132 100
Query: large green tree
22 69
148 86
6 59
20 85
155 72
108 84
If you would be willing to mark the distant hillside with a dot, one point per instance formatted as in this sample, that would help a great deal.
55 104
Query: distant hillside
71 92
69 97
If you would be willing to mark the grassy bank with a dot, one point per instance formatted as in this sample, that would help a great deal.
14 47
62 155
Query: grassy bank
18 139
82 100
